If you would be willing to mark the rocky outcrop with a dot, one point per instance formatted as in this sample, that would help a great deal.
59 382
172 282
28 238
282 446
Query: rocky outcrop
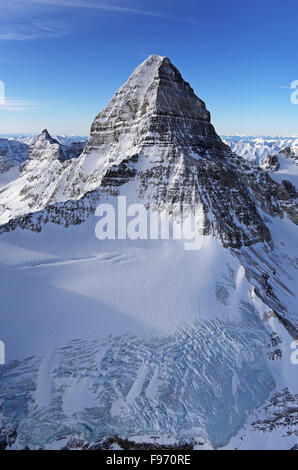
281 412
270 163
156 135
15 152
289 188
154 107
73 150
5 163
287 152
44 148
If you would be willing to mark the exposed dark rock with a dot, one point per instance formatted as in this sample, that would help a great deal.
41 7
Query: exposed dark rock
290 188
73 150
270 163
287 152
281 412
7 439
156 133
124 444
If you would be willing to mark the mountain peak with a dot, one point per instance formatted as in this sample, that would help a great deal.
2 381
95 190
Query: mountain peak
159 107
45 147
154 58
45 135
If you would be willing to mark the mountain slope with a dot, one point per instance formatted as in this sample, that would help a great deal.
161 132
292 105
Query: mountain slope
142 338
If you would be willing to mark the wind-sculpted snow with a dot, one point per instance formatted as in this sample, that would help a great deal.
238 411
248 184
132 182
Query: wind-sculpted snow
140 338
155 140
198 382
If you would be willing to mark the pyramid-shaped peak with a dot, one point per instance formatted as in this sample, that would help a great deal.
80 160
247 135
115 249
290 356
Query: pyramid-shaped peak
155 104
45 136
155 86
151 65
153 69
154 58
45 147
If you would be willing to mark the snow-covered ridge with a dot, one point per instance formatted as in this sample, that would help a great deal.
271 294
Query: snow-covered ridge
256 149
155 135
14 152
277 155
29 139
140 338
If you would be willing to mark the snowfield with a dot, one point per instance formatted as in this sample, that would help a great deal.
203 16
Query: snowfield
132 336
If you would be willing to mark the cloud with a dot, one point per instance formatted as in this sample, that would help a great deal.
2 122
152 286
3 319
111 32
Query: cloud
98 5
33 30
255 87
18 26
9 36
12 104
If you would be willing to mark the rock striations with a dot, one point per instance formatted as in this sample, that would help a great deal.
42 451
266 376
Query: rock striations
156 135
148 339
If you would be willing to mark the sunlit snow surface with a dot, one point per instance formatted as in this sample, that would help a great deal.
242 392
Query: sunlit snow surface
138 338
126 339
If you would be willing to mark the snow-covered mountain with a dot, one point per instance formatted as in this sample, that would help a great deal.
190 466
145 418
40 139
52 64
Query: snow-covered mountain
278 155
140 338
14 152
29 139
256 149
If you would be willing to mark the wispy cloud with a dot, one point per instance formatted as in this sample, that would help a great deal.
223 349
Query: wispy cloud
103 6
12 104
18 28
10 36
32 30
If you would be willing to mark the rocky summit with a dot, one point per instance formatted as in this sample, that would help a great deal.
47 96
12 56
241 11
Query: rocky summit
141 343
156 135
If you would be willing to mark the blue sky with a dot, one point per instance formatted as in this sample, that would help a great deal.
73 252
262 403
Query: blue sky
61 61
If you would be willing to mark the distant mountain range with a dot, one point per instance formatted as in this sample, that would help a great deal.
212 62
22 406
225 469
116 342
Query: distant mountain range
257 148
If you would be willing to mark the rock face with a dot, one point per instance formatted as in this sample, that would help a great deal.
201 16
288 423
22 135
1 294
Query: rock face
5 163
73 150
154 143
288 152
35 187
44 148
154 106
290 188
11 153
270 163
47 148
156 135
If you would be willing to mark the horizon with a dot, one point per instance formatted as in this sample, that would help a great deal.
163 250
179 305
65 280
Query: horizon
58 134
62 61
